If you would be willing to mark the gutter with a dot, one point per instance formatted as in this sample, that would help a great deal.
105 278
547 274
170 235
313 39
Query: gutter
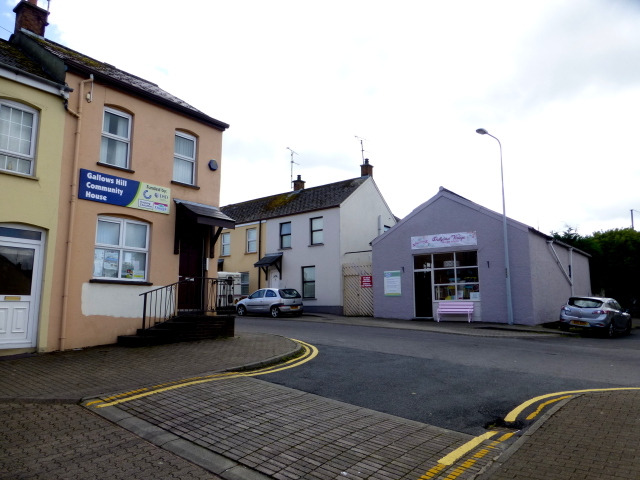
555 254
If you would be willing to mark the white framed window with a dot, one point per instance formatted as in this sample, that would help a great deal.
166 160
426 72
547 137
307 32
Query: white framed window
116 138
308 282
251 240
18 126
244 283
122 249
225 244
317 232
184 158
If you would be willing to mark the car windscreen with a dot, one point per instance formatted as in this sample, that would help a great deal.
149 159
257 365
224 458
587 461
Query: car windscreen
585 302
289 293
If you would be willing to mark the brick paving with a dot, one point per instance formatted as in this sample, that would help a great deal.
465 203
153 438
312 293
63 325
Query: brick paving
62 441
595 436
288 434
73 375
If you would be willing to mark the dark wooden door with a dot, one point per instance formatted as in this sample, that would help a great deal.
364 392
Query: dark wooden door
191 270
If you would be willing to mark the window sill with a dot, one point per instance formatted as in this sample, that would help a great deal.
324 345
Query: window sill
304 299
188 185
17 174
285 248
115 167
317 245
121 282
250 253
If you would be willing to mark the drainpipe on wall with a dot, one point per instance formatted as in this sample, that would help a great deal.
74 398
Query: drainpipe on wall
259 250
72 207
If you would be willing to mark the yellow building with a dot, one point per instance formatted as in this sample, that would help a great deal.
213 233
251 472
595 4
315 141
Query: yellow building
32 120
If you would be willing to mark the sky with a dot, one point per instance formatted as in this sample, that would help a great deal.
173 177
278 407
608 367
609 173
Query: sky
557 82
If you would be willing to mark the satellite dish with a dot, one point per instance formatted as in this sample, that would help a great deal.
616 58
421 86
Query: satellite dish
213 165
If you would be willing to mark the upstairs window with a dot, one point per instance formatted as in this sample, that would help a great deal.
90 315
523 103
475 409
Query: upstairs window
184 159
116 138
308 282
225 244
285 235
17 137
122 248
317 232
251 240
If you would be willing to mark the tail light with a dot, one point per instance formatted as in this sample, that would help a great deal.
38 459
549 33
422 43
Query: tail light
599 312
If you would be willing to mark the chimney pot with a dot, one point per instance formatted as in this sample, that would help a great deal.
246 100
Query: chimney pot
366 169
31 17
298 184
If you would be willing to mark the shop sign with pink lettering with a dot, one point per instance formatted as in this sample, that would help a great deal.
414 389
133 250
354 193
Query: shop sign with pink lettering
444 240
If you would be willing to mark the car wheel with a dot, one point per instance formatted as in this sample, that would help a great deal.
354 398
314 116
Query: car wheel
242 310
611 330
275 312
627 330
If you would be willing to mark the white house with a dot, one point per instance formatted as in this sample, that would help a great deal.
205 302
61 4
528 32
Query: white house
317 240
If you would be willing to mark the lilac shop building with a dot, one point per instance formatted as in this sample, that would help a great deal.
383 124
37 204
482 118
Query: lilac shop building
450 249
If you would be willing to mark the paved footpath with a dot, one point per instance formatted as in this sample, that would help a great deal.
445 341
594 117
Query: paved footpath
171 412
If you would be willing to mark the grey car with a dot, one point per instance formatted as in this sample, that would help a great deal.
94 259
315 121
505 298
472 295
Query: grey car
604 315
274 301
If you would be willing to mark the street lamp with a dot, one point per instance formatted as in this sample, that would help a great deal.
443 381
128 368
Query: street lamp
482 131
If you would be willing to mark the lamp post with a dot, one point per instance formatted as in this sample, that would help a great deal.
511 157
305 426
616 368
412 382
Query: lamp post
482 131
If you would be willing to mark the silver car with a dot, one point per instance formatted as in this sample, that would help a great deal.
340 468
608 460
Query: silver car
596 314
273 301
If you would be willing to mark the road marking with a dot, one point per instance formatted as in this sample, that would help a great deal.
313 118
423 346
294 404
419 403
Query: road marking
513 414
542 405
460 451
454 456
310 352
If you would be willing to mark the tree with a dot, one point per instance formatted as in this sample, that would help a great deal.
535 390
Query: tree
614 263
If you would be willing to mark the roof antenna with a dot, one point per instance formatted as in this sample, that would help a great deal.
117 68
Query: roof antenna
292 162
361 146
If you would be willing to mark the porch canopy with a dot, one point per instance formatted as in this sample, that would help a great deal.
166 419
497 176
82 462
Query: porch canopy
189 213
268 260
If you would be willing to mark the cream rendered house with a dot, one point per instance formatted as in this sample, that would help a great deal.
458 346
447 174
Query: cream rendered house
317 241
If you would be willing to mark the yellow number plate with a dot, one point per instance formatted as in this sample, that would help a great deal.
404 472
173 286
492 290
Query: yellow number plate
578 322
294 307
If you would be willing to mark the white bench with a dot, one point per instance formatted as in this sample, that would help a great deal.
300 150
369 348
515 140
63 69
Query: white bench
448 307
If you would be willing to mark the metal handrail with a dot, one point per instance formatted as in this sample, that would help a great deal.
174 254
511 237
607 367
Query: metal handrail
192 296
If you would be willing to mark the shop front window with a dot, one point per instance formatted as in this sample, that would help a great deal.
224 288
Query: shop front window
455 276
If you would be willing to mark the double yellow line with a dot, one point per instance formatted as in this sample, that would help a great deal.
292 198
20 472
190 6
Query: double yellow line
309 353
444 470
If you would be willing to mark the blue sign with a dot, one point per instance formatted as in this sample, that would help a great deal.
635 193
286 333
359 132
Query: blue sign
104 188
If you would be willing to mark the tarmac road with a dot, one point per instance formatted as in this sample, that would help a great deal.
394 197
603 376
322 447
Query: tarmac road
456 382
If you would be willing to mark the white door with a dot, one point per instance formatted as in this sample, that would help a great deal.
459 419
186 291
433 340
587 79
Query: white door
275 280
20 278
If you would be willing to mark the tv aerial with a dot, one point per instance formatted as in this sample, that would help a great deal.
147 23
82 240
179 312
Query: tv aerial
292 162
361 145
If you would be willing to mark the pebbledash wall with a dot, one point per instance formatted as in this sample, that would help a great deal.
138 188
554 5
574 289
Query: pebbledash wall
420 263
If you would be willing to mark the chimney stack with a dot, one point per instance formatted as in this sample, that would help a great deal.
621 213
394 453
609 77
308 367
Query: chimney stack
298 184
366 168
31 17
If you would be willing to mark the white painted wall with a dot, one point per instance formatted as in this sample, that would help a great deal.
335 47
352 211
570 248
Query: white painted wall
123 301
326 257
362 218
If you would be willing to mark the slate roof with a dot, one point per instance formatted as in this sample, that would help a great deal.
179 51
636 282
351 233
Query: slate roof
292 203
14 58
111 74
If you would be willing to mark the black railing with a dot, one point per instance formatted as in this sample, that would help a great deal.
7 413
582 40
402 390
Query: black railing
192 296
